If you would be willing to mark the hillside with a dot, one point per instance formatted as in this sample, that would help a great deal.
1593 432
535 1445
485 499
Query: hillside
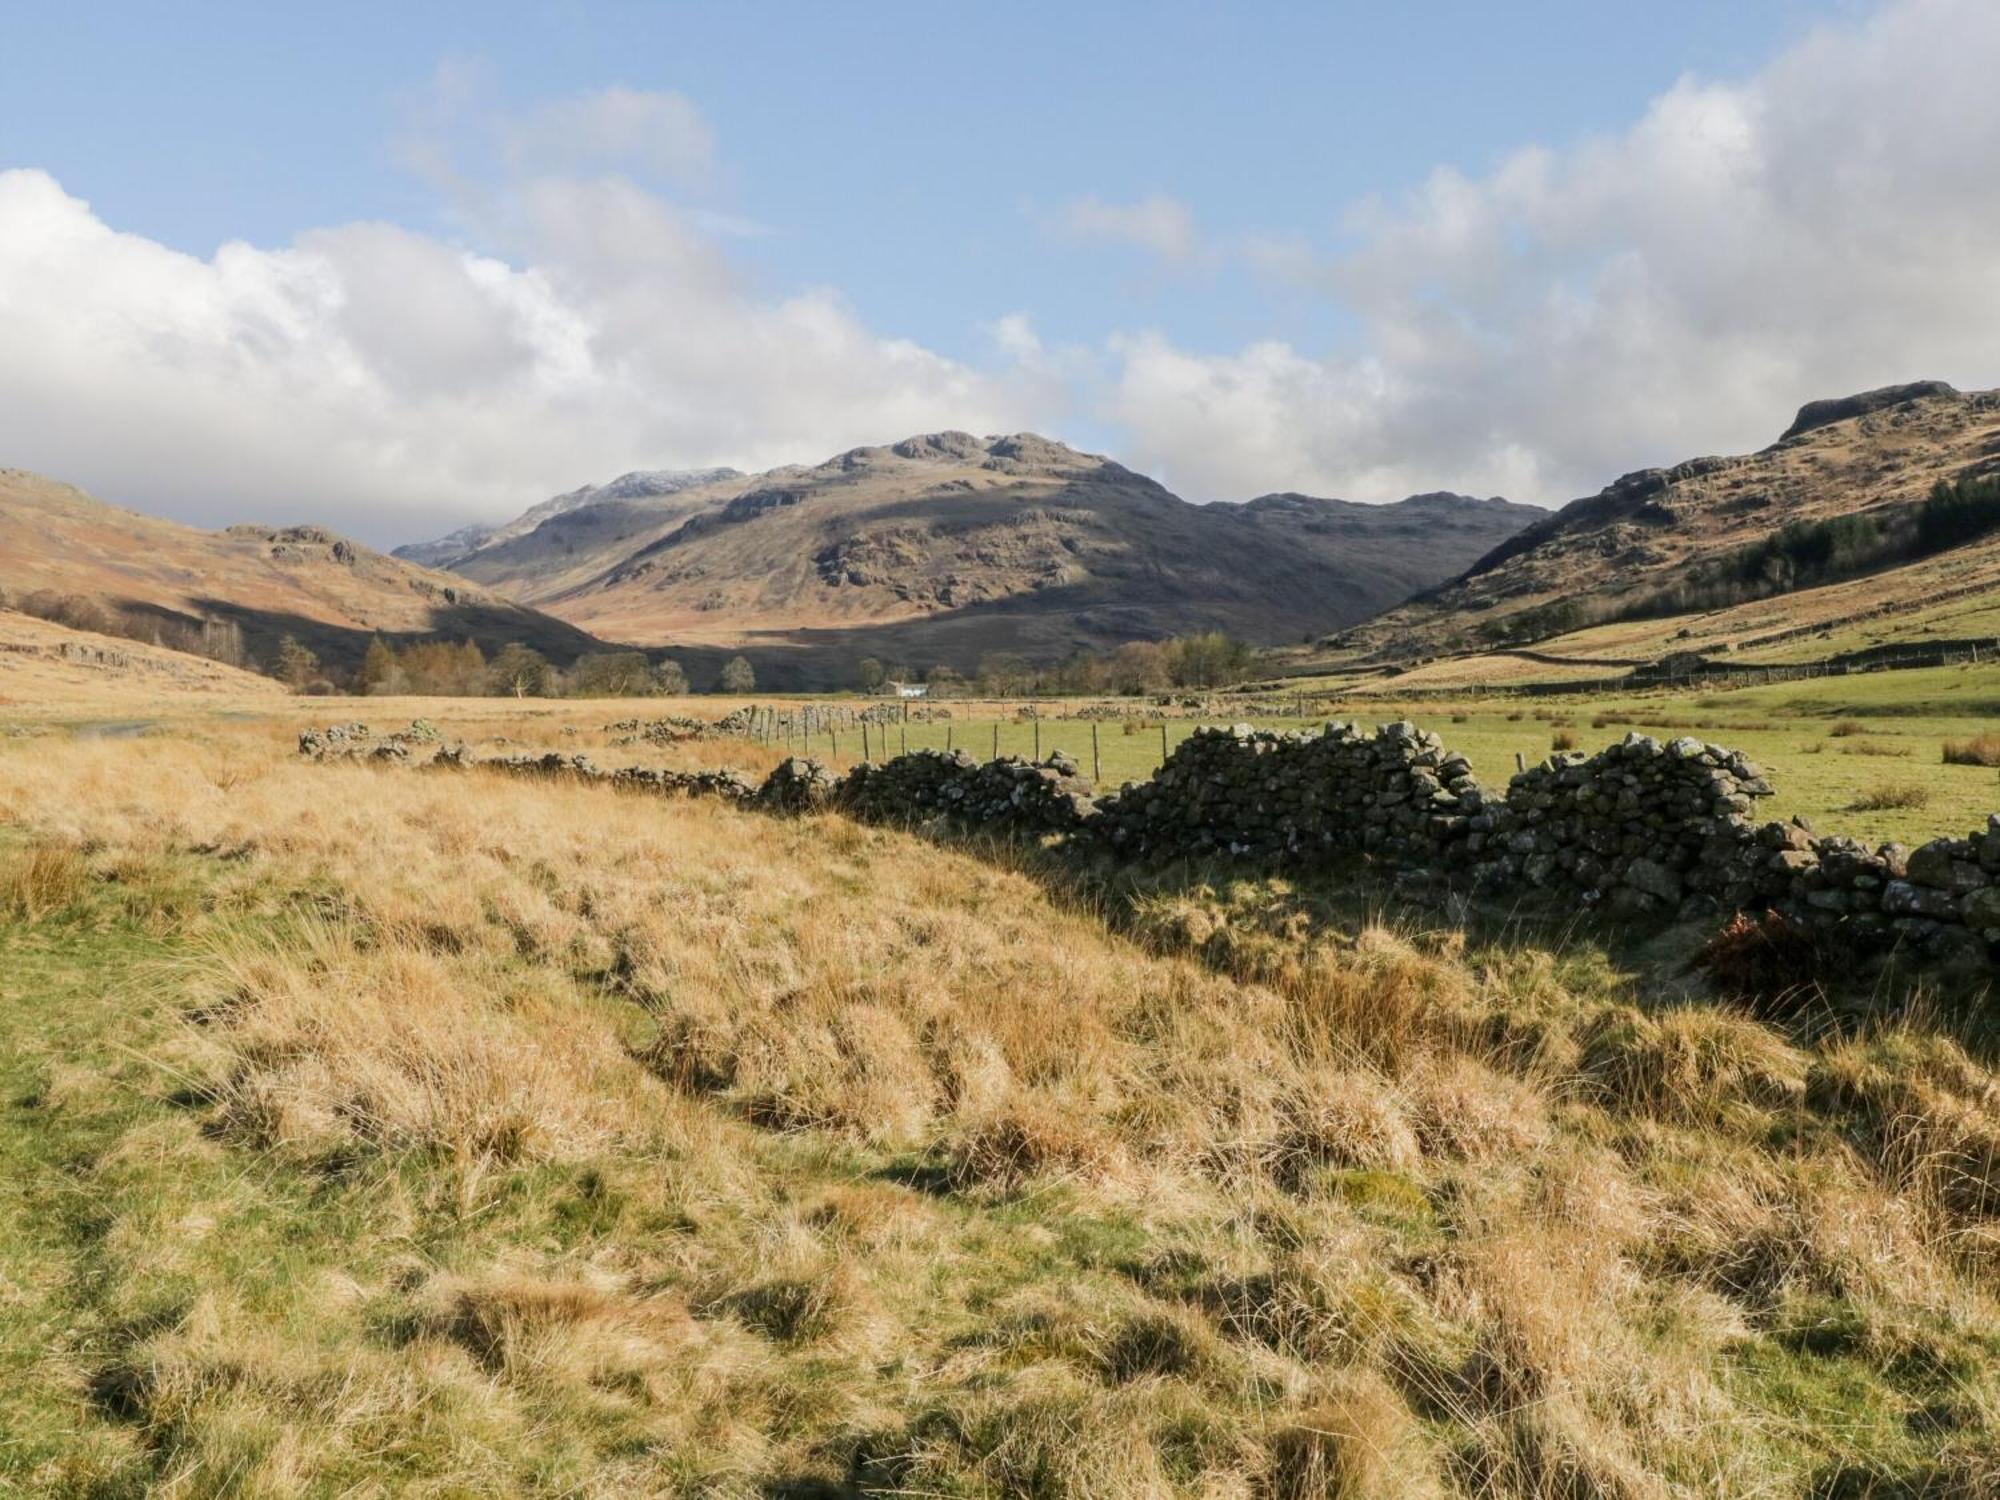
44 665
331 593
1636 549
943 547
459 548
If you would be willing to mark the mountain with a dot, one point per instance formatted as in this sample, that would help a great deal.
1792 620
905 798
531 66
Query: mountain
1710 533
943 547
331 593
639 485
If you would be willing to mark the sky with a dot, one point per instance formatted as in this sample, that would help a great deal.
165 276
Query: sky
393 269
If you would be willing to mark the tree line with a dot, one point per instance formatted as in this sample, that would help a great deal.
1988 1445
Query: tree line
516 670
1798 555
444 669
1210 659
1804 554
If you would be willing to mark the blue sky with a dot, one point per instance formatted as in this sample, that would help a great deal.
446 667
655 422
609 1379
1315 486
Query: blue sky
910 155
1329 247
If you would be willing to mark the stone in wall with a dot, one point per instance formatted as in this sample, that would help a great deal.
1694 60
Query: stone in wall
798 785
1008 795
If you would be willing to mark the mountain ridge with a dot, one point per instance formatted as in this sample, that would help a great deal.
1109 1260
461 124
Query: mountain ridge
943 545
1648 531
637 484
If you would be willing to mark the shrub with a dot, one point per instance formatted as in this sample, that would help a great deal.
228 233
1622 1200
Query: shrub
1845 728
1562 739
1982 749
1888 797
738 676
1772 964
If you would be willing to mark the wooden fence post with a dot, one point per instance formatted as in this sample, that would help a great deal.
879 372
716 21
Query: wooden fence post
996 739
1163 742
1096 768
1038 736
864 740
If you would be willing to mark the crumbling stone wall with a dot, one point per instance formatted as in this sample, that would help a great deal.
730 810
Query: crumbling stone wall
1008 795
1643 828
1255 794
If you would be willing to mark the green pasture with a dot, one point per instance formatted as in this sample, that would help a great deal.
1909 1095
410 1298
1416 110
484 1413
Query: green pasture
1827 745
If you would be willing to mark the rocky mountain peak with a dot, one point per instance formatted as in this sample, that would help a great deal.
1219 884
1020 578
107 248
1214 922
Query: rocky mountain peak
1839 408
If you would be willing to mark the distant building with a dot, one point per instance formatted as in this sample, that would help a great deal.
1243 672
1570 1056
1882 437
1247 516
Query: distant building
910 689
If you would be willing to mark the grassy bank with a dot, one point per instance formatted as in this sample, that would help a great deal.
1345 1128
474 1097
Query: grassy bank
371 1133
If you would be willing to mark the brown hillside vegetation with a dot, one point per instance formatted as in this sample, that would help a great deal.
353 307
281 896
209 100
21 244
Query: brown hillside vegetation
44 665
943 547
380 1132
331 593
1647 533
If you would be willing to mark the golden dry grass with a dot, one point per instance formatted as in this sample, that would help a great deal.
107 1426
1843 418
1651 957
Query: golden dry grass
510 1137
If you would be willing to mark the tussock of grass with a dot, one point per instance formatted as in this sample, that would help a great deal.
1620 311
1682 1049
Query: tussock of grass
1358 1442
1691 1064
1886 796
530 1139
1978 750
48 876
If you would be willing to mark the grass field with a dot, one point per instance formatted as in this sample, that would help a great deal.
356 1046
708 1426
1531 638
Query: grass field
371 1133
1831 746
1828 745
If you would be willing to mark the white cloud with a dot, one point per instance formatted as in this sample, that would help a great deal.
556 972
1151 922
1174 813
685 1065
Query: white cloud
616 129
1680 287
1674 288
390 383
1159 224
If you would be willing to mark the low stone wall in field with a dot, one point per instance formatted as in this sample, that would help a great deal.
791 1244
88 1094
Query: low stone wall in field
1008 795
1291 797
1644 829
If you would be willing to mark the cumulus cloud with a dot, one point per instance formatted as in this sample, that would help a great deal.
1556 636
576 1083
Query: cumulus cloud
394 384
1159 224
1679 287
1673 288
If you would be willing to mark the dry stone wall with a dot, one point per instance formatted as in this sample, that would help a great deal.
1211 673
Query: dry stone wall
1645 828
1008 795
1255 794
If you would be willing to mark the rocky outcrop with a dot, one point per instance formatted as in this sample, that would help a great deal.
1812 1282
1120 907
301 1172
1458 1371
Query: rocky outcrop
1839 408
